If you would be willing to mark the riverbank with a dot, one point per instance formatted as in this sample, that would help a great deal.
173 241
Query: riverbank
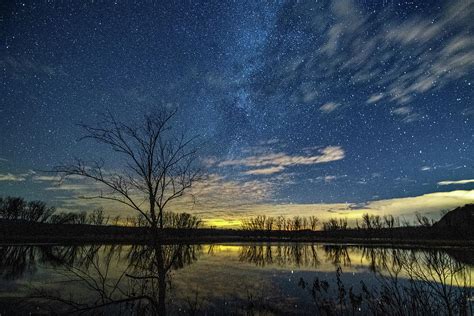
27 232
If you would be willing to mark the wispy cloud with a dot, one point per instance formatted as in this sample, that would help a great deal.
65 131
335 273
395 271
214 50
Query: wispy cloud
456 182
331 178
213 194
375 98
13 177
469 111
404 110
45 178
329 107
426 203
20 67
430 204
407 114
276 162
223 201
406 57
265 171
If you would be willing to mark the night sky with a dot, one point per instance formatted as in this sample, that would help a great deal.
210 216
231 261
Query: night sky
319 107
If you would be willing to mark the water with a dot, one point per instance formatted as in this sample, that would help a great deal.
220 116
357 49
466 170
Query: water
242 279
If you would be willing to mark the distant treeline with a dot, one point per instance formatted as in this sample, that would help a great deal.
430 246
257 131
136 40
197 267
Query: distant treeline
262 222
367 222
17 208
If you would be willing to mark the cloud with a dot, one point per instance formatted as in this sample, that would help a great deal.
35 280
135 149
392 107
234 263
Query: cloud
426 203
21 67
270 170
43 178
430 204
407 114
83 189
407 57
268 163
269 142
331 178
468 111
375 97
456 182
405 110
13 177
214 194
218 193
222 201
327 178
329 107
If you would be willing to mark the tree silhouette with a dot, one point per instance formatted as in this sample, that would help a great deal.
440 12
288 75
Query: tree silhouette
159 167
16 208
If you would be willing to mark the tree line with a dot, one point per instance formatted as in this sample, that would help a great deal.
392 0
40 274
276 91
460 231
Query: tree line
366 222
262 222
17 208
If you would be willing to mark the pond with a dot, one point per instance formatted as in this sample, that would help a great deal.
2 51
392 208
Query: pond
238 279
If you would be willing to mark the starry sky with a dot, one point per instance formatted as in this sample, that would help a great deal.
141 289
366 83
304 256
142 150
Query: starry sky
309 107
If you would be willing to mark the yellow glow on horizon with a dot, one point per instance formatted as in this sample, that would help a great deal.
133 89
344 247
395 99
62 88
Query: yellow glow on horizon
222 206
222 223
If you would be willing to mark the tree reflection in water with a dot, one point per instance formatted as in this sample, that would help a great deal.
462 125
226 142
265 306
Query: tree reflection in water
280 254
409 282
15 261
123 280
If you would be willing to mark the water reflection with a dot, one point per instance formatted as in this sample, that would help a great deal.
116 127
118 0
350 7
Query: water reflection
290 254
120 279
408 282
156 280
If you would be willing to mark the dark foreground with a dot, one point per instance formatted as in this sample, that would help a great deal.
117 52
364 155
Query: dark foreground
27 232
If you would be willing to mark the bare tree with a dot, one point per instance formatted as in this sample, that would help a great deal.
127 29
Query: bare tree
313 222
97 217
366 221
280 222
159 167
269 223
389 221
331 224
297 223
423 220
376 221
16 208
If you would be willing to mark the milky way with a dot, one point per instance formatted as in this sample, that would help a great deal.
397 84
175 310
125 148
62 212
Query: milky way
332 105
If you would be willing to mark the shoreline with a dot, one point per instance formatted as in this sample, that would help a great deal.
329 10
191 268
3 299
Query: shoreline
21 232
386 243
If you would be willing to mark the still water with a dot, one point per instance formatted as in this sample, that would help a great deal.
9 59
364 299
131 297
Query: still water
238 279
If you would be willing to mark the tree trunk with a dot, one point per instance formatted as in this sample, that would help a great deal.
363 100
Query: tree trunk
160 261
161 219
